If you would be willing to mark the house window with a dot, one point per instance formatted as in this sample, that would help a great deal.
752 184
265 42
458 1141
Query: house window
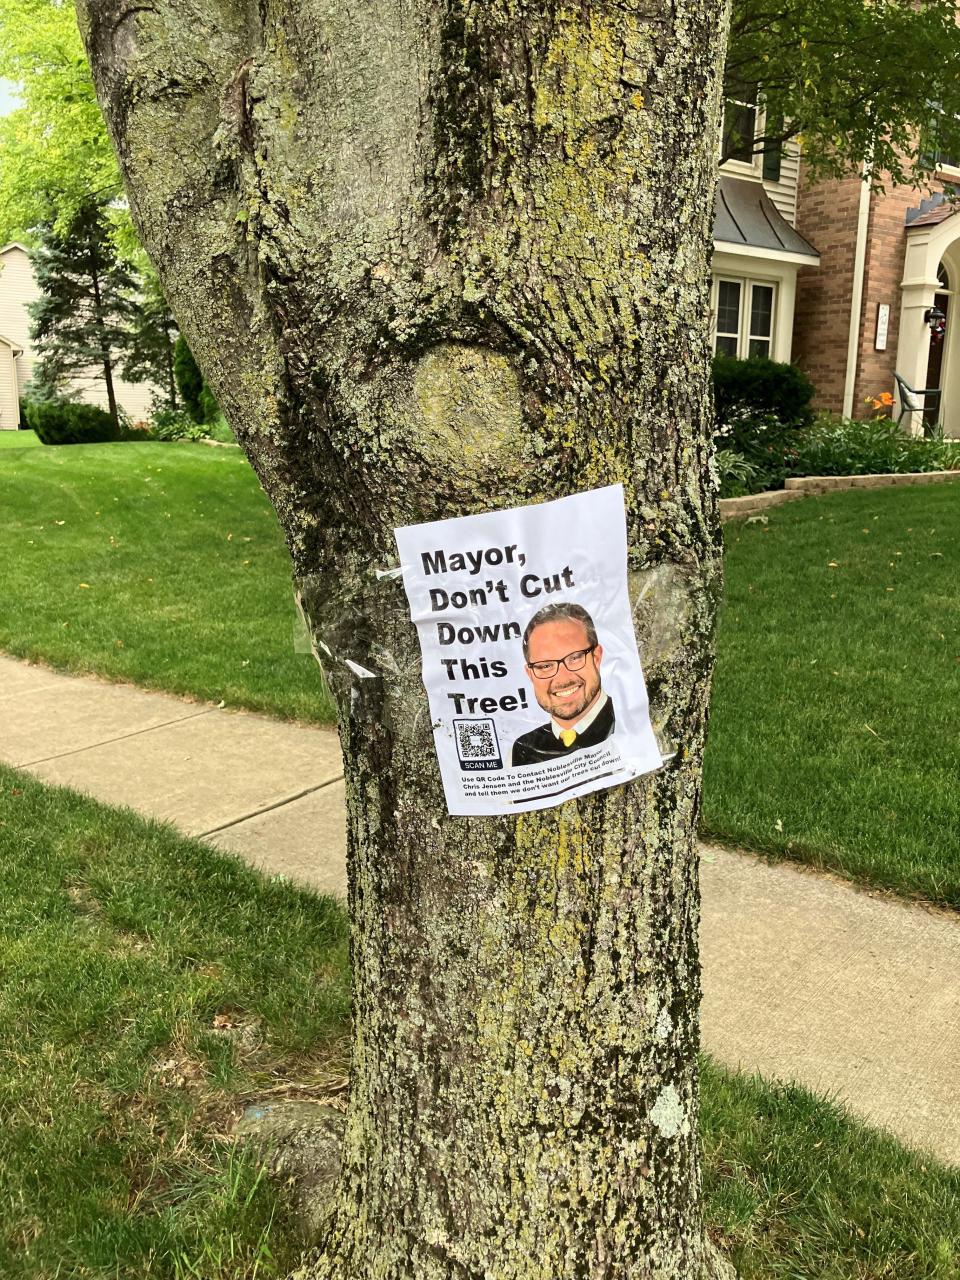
739 122
727 340
937 152
744 316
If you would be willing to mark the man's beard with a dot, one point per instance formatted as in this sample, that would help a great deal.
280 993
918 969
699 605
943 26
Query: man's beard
572 708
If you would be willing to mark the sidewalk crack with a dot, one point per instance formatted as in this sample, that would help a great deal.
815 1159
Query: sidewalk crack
268 808
134 733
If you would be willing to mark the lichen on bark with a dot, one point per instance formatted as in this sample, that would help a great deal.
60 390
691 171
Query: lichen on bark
436 258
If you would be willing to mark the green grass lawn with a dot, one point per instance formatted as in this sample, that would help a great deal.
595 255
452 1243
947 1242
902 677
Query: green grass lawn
160 564
834 736
148 984
152 988
19 440
835 731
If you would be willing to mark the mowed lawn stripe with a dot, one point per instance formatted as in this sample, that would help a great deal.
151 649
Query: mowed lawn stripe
152 988
835 730
161 564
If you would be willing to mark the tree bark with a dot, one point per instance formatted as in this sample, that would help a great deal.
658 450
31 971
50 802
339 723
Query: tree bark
439 258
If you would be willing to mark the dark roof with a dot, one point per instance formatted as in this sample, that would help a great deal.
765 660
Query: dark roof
937 208
746 215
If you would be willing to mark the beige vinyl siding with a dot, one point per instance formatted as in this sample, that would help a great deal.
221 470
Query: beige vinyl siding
134 397
784 193
18 289
9 410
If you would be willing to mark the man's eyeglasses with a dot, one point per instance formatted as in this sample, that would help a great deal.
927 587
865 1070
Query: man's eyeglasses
573 662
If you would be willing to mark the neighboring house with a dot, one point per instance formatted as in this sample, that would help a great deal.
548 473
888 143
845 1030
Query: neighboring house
18 289
758 251
886 261
837 278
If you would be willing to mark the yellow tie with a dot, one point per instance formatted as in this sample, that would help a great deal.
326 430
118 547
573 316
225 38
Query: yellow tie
568 737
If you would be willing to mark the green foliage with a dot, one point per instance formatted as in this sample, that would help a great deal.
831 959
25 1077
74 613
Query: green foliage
54 149
208 404
175 424
87 305
60 422
736 475
759 386
151 337
199 401
219 429
768 452
836 446
189 379
760 405
873 84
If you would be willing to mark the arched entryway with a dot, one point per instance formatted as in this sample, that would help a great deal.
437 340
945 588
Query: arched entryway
931 278
937 351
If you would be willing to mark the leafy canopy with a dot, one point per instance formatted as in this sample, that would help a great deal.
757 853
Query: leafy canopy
860 81
873 82
54 150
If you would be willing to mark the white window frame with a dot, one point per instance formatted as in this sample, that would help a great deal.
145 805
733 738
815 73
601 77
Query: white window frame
752 168
744 336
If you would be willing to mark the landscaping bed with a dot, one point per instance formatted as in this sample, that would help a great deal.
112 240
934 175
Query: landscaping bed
153 989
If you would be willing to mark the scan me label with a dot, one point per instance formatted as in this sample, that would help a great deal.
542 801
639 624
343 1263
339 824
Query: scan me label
530 659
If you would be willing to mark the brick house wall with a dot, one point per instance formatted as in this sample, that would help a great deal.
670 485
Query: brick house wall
826 216
886 249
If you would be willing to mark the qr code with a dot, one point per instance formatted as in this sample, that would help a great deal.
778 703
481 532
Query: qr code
477 744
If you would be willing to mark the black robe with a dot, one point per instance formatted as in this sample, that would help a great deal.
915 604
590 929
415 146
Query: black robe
541 745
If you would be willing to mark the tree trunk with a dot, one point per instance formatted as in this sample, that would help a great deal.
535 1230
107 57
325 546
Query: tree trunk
105 353
434 259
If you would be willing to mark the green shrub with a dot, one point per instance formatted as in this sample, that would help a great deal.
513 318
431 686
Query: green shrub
175 424
219 429
61 422
188 377
198 399
736 475
761 439
745 390
208 404
835 446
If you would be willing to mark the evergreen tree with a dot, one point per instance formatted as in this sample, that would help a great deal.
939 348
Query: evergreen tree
152 339
88 304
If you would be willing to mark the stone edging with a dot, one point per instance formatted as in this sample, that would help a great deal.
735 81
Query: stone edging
806 486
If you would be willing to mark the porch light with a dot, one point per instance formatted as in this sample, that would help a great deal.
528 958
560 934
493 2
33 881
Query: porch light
936 320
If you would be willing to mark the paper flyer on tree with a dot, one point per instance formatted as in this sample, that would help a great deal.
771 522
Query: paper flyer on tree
530 658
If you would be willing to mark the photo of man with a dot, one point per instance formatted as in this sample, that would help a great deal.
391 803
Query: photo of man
562 654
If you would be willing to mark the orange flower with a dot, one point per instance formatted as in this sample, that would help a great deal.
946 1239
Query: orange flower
883 401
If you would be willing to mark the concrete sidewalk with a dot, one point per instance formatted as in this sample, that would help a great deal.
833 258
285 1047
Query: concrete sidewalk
804 978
